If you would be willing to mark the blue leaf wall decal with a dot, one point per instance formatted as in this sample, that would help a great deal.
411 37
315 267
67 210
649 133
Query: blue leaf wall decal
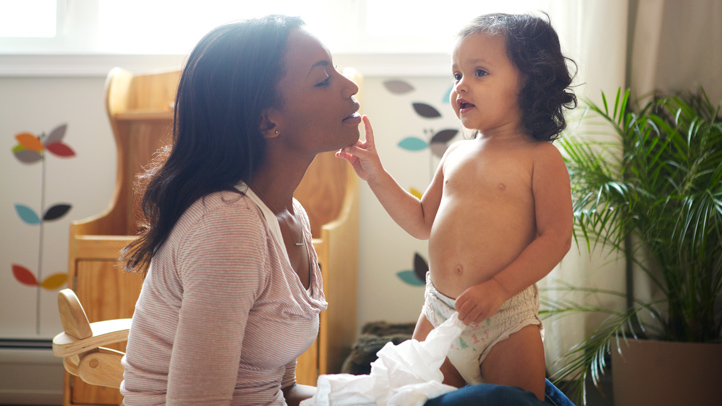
413 144
27 214
409 277
446 99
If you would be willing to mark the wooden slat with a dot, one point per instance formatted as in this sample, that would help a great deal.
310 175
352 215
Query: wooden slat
90 247
340 279
145 115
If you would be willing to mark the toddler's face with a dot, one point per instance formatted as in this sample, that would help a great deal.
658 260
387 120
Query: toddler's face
486 85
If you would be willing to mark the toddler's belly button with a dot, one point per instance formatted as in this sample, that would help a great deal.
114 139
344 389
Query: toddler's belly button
459 269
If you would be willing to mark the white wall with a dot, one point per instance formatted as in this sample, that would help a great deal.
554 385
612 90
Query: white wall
39 104
385 249
85 181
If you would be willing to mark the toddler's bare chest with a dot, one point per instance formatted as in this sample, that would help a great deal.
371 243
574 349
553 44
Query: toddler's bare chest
499 179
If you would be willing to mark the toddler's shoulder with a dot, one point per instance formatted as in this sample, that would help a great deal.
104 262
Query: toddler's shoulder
546 151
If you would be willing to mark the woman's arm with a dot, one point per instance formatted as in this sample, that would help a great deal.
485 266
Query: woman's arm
220 264
295 393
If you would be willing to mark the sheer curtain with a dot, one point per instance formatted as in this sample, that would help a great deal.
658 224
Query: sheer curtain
677 45
645 45
595 35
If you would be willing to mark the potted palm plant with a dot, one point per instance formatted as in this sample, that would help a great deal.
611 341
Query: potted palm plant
653 194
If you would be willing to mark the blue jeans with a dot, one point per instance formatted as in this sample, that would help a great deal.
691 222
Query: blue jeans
487 394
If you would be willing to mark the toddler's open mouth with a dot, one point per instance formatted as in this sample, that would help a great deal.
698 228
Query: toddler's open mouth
464 105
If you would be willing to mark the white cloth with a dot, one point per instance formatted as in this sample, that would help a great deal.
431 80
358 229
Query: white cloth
403 375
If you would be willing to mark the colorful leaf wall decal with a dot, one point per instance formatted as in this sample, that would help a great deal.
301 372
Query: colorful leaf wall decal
417 276
413 144
416 193
446 99
55 281
30 141
425 110
27 214
56 134
410 278
420 267
444 135
56 212
26 156
398 86
60 149
24 276
440 141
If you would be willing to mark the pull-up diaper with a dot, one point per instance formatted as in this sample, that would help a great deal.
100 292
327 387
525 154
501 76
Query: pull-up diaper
470 349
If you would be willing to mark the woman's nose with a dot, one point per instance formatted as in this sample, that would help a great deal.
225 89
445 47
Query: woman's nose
351 88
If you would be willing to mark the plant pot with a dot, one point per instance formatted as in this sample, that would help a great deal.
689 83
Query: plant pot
666 373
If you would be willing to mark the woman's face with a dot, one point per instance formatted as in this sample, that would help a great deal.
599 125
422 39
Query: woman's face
317 112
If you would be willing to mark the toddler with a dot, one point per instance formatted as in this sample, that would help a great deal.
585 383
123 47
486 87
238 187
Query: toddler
498 211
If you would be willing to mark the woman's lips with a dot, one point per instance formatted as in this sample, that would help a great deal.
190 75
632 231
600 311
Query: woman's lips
353 119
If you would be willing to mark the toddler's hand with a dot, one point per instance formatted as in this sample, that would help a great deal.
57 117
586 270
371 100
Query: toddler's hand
480 302
363 156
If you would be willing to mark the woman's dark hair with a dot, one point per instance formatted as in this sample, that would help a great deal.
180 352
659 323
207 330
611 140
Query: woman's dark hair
533 47
229 79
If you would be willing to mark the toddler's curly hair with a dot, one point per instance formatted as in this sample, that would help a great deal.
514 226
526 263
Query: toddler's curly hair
533 47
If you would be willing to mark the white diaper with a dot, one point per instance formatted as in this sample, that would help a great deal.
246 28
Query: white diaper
471 348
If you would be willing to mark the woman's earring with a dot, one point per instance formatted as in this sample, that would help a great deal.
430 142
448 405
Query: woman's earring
276 132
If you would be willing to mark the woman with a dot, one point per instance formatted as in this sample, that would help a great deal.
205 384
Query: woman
232 289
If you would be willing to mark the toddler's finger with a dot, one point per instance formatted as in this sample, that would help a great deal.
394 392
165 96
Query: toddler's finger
368 131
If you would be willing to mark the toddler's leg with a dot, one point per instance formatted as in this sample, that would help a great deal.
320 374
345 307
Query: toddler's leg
451 375
518 361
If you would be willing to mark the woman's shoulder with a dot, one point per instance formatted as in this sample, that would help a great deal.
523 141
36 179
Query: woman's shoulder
222 210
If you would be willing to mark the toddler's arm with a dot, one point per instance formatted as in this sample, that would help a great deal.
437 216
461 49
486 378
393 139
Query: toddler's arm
413 215
554 223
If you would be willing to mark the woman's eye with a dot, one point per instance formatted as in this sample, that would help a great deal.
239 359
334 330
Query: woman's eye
324 83
481 72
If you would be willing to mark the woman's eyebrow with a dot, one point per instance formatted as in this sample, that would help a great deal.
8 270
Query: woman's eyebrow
319 63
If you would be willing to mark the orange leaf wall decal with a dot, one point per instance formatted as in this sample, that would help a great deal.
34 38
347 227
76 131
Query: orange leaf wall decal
30 141
55 281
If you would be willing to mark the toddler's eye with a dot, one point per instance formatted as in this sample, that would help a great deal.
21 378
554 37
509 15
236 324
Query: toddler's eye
324 83
481 72
457 76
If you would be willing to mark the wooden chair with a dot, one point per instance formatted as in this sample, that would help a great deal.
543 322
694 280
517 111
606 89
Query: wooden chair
81 343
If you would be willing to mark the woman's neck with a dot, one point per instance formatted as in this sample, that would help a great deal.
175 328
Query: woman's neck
276 180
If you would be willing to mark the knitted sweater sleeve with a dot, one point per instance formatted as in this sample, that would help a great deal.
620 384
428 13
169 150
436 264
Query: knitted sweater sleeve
221 267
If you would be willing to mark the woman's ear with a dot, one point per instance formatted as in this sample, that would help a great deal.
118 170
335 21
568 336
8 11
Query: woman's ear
269 128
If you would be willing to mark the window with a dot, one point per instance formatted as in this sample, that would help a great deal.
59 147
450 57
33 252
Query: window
90 36
28 18
174 26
